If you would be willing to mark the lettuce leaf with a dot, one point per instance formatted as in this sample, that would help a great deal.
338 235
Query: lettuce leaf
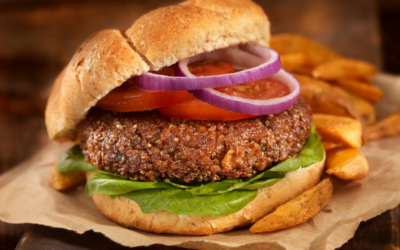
104 183
180 201
73 161
207 199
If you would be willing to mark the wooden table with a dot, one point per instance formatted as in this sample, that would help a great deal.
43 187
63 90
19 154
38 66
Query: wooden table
37 38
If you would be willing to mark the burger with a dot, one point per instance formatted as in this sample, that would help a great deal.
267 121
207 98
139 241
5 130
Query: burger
185 122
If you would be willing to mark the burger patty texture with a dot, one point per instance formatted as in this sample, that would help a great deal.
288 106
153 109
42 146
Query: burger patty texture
148 146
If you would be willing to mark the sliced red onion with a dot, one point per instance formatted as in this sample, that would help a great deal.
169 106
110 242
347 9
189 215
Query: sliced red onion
261 62
253 107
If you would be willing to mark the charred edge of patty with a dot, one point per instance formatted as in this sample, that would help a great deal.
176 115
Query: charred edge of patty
148 146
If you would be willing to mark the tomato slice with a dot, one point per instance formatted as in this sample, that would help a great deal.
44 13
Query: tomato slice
263 89
211 68
129 98
196 109
181 104
199 110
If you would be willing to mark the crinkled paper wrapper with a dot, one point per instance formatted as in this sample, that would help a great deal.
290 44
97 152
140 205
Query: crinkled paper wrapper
25 197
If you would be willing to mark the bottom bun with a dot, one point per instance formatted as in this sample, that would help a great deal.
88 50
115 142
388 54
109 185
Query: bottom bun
127 212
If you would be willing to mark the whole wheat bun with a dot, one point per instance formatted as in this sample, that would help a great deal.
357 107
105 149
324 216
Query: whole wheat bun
159 38
127 212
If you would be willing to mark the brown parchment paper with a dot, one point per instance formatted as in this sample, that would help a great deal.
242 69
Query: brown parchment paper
25 197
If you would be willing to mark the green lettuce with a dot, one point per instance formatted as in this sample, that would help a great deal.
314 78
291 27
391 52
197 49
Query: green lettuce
73 161
206 199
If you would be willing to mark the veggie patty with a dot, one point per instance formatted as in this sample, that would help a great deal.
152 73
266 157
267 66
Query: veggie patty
148 146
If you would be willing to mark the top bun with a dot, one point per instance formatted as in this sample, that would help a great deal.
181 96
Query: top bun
159 38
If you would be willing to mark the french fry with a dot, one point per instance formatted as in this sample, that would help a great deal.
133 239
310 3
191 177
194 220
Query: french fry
62 182
365 108
346 164
290 43
328 145
369 93
388 126
291 62
344 69
297 211
339 129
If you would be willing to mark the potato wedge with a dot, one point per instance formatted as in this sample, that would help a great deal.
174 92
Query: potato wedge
388 126
303 70
344 68
346 164
290 43
365 108
339 129
369 93
328 99
291 62
62 182
328 145
298 210
325 98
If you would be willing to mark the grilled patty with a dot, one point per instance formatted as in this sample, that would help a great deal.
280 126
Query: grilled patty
148 146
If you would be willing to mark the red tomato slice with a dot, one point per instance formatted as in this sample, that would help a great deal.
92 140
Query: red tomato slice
211 68
263 89
181 104
199 110
129 98
196 109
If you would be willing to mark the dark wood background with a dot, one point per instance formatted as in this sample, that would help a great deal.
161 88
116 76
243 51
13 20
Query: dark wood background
37 38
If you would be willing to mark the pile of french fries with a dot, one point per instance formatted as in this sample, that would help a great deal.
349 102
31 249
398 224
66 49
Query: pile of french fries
340 94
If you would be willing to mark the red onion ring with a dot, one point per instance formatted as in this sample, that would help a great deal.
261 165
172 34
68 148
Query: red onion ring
261 61
253 107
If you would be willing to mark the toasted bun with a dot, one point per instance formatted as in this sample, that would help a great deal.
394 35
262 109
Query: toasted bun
127 213
167 35
160 38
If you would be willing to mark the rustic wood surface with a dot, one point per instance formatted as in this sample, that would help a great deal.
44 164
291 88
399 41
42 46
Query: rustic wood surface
37 38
